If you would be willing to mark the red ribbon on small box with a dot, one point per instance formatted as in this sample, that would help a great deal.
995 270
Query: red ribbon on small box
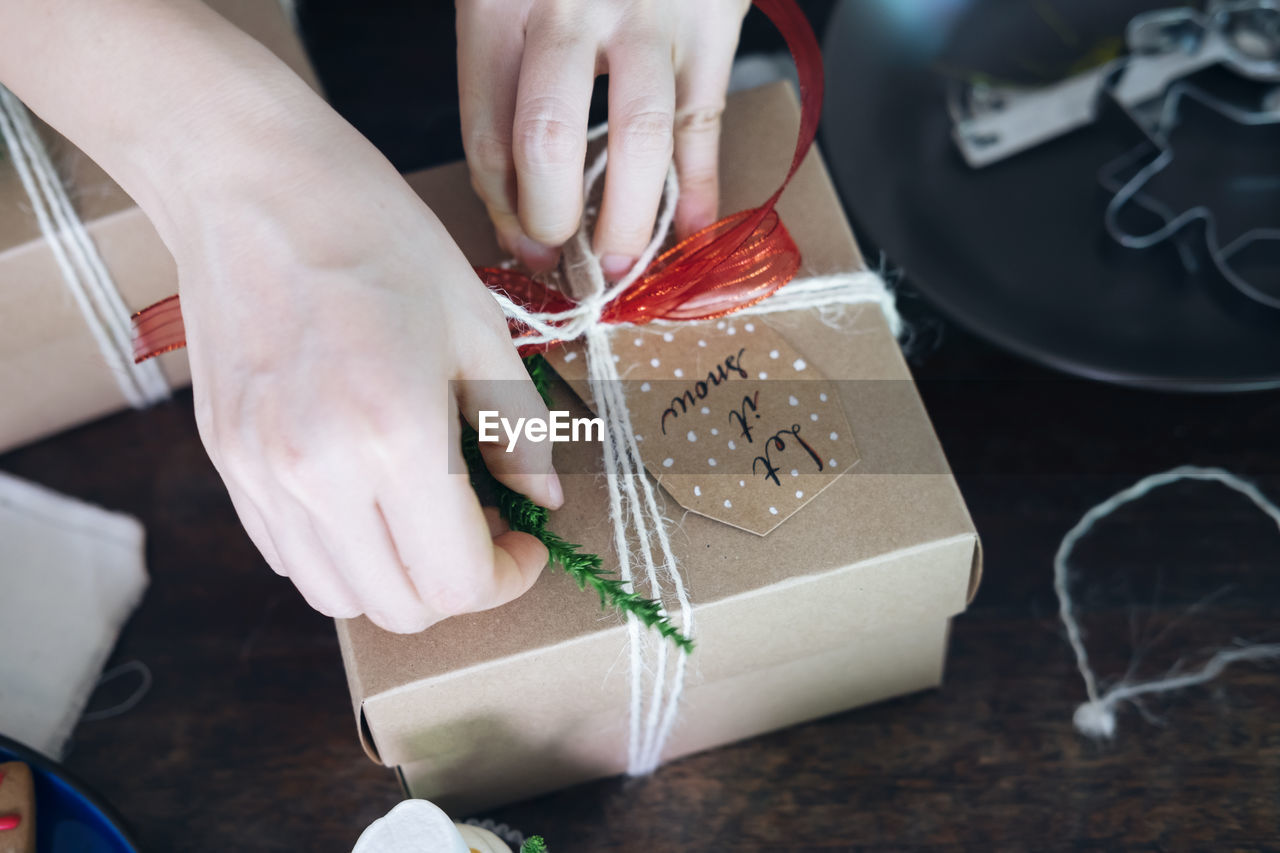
730 265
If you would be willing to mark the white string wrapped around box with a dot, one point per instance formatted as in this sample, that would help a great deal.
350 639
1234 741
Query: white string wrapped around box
636 516
82 267
1096 718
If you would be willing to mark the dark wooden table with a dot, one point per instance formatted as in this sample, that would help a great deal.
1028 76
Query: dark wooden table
247 741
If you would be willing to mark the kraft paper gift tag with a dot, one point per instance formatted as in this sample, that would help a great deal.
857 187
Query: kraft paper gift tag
730 417
70 575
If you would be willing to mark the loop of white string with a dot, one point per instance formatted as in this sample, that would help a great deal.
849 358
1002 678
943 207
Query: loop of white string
131 701
640 530
1097 717
81 265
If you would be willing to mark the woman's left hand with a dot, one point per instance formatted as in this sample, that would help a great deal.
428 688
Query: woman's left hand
526 69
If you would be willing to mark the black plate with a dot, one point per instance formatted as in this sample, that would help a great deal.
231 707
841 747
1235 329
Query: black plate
1017 252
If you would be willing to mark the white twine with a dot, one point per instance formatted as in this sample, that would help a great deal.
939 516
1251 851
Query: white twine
131 701
634 511
82 267
1097 717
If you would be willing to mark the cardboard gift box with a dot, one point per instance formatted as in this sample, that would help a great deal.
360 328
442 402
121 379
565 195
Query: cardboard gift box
847 602
52 373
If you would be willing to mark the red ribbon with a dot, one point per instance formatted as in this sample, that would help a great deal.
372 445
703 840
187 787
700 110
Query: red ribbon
727 266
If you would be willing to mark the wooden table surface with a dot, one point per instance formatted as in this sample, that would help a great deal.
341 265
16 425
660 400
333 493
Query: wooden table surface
246 741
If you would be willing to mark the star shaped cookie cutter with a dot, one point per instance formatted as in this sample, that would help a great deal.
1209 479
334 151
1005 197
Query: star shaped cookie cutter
1131 191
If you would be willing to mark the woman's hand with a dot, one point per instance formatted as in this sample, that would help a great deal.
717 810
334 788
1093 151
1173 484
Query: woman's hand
325 319
326 308
526 70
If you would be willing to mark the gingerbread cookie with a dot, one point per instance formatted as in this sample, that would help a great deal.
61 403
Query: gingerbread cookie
17 808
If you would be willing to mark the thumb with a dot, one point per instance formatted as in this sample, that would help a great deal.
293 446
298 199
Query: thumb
499 400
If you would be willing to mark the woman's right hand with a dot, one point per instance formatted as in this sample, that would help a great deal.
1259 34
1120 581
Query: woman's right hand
326 308
327 315
334 332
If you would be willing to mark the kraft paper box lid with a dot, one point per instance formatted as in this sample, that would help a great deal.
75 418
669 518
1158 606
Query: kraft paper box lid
52 375
898 507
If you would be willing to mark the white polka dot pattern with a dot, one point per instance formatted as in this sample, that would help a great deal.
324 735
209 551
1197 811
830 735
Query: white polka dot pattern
737 424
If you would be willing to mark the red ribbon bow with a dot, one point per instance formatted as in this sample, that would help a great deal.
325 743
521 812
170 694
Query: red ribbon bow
730 265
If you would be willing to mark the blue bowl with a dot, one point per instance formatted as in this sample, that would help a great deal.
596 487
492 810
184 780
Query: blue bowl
69 817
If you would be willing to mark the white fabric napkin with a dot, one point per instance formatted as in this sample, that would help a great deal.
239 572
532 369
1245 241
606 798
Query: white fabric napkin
418 826
70 575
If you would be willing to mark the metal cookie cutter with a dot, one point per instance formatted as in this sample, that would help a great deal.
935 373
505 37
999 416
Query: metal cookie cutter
991 123
1133 191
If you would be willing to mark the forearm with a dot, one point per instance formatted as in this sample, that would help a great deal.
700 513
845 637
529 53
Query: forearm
163 94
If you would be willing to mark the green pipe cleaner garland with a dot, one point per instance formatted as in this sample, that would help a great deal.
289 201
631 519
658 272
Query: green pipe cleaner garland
527 517
534 845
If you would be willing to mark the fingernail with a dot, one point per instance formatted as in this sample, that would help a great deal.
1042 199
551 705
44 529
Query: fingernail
536 256
616 266
555 491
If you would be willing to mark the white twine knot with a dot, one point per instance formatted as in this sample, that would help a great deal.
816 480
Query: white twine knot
1095 719
640 530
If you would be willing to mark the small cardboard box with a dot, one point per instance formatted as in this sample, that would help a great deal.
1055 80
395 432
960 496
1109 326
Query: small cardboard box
52 374
845 603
